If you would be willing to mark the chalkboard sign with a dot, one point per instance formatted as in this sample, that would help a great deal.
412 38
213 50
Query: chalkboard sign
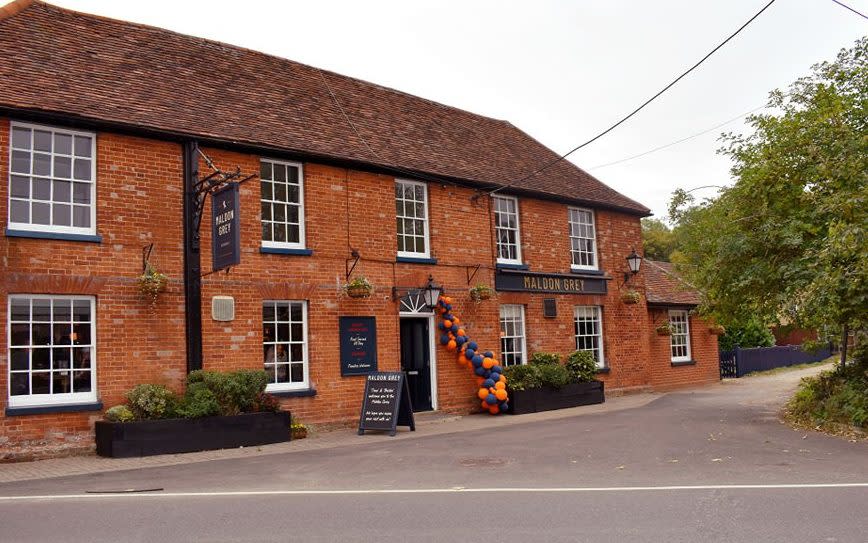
358 345
386 403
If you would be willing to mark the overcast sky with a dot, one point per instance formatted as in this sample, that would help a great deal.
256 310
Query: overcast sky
561 71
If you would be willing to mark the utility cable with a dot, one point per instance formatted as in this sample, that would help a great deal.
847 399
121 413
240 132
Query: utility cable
843 5
638 109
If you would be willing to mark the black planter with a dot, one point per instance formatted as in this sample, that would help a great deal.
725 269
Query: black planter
150 437
547 399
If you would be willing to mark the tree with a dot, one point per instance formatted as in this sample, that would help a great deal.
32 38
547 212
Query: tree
658 240
788 238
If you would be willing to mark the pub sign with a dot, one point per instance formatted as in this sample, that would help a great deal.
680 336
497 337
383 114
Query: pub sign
549 282
225 228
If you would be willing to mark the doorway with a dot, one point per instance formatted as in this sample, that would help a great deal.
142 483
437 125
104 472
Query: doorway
416 361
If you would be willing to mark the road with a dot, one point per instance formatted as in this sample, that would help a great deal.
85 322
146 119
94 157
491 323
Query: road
710 464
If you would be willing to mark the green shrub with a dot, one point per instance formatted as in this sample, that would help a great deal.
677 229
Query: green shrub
235 392
839 396
152 402
553 375
522 377
267 403
542 359
581 366
198 402
119 413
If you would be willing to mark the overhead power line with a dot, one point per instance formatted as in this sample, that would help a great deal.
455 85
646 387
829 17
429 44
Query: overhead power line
843 5
682 140
638 109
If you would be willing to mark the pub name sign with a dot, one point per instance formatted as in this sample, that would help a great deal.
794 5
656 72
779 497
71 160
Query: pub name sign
556 283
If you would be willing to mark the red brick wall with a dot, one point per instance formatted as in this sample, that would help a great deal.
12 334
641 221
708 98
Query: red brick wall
139 201
703 350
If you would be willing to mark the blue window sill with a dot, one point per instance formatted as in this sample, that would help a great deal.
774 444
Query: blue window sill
415 260
603 370
294 393
684 363
522 267
47 409
52 235
280 251
587 272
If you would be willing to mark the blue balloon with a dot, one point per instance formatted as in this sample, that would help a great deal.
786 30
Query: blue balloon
444 339
480 371
441 326
448 317
504 406
469 353
473 345
496 369
488 383
477 359
491 399
447 307
475 363
460 340
489 354
454 328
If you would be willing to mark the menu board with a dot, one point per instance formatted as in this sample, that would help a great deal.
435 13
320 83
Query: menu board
358 345
386 403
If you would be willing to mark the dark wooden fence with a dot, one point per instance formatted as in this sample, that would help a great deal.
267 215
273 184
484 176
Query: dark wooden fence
740 362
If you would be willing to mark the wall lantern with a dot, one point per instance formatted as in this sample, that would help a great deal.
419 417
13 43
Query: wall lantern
432 293
634 261
428 295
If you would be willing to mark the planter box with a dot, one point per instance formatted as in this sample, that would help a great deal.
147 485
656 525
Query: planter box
150 437
547 399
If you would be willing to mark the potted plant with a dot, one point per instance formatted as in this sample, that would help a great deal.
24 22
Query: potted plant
664 329
480 292
151 283
546 384
717 329
631 297
359 287
299 430
217 411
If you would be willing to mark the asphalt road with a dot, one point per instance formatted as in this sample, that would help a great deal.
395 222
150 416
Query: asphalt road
713 464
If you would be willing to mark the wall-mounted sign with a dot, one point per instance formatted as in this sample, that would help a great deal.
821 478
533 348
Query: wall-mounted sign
358 345
386 403
547 282
225 228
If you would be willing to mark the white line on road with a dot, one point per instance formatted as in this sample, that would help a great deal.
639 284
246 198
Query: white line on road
457 490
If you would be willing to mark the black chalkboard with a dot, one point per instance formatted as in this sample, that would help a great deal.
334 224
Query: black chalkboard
386 403
358 345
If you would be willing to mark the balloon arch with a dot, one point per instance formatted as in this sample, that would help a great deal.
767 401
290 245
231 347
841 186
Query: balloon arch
488 371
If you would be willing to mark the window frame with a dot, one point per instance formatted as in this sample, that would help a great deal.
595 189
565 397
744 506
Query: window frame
302 240
686 334
49 400
523 345
290 386
601 361
573 265
518 258
92 181
425 221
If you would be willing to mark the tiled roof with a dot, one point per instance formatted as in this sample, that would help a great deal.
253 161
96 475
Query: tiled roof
64 62
664 286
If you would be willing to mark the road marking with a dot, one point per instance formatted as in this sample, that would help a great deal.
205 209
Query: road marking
454 490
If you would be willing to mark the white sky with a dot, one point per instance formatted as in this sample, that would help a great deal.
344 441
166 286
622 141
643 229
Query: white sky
561 71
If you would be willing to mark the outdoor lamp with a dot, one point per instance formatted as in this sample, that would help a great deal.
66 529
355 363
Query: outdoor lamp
634 261
432 293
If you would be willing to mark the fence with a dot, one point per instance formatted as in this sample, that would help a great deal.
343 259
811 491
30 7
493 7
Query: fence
740 362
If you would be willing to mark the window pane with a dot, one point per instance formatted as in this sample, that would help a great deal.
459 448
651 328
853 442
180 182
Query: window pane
42 309
41 359
19 211
21 138
62 166
63 144
41 164
82 381
20 384
42 140
20 187
19 334
267 191
81 216
42 189
62 382
83 146
280 192
81 358
20 162
80 310
266 211
20 309
279 173
297 375
265 170
81 193
81 169
20 359
62 215
282 312
297 314
41 213
62 191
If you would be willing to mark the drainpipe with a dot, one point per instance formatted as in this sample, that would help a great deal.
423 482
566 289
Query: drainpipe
192 259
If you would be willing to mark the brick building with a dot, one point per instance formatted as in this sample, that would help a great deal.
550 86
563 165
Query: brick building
105 127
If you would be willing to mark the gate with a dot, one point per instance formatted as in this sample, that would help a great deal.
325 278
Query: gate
728 364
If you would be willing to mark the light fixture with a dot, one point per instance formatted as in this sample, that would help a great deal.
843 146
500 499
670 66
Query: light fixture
634 261
432 293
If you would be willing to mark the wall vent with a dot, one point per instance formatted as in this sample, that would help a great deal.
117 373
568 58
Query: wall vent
223 308
550 308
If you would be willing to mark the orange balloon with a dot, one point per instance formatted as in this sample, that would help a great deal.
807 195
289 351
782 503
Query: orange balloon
447 324
483 393
494 409
485 404
451 345
487 363
462 358
456 320
500 394
500 385
461 331
502 379
447 299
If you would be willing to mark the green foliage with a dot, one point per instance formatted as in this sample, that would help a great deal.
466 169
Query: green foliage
198 402
581 367
834 397
522 377
658 240
151 401
119 413
553 375
235 392
745 333
266 403
541 359
788 239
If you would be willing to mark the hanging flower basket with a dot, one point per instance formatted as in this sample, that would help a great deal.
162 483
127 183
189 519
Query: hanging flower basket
664 329
480 292
359 287
152 283
631 297
717 329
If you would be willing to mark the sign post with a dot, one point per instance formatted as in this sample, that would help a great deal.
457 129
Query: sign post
358 345
225 228
386 403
